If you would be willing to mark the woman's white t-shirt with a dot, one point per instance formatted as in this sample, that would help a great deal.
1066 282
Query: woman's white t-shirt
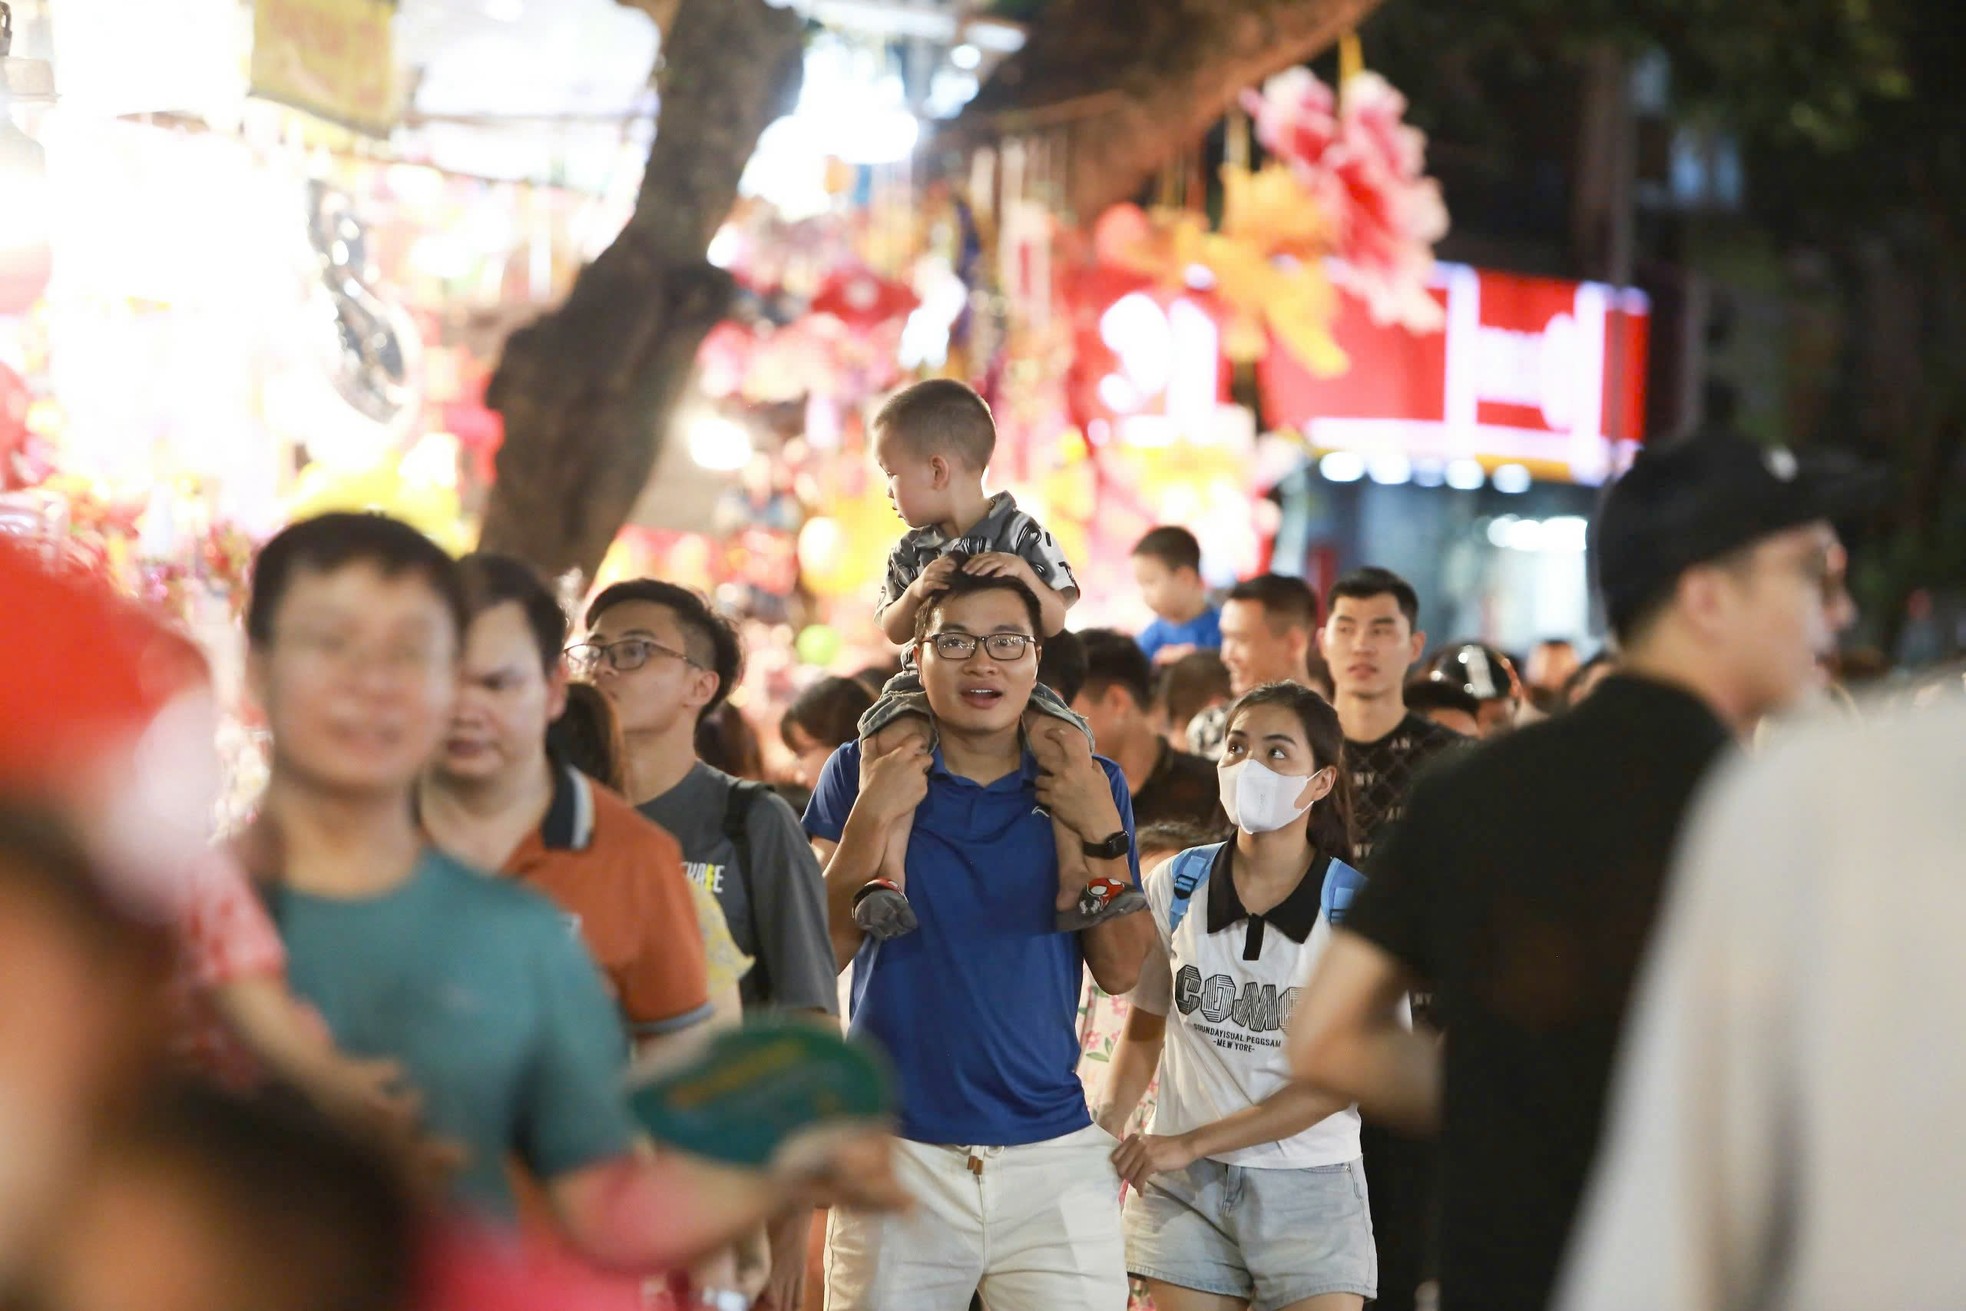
1228 981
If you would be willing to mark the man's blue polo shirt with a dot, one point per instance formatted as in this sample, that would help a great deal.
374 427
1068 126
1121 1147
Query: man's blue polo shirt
979 1006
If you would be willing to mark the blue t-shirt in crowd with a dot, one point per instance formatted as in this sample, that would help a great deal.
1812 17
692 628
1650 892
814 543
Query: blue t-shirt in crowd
1203 631
978 1008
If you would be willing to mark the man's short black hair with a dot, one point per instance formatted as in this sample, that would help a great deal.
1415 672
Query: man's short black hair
1115 660
1061 665
1173 835
330 542
1364 584
876 677
1192 683
1285 600
708 638
828 712
1172 546
961 585
1424 694
492 580
941 417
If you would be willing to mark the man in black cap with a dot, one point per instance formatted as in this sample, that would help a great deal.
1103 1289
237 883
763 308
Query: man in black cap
1522 884
1489 677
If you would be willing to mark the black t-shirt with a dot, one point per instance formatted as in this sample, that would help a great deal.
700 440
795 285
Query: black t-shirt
1182 787
1383 774
1522 885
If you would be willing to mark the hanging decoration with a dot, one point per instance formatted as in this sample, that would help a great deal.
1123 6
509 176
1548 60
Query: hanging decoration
815 313
1355 155
1343 202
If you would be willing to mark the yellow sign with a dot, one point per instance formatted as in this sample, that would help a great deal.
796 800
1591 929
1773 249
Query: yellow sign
334 58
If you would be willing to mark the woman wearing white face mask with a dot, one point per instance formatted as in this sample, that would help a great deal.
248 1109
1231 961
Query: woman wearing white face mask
1249 1188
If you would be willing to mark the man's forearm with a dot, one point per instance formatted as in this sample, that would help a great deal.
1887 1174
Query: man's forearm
1350 1035
1392 1072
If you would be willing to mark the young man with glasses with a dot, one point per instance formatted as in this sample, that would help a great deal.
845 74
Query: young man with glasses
664 660
1015 1189
1522 882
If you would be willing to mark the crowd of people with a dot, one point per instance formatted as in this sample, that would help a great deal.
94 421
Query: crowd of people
1260 959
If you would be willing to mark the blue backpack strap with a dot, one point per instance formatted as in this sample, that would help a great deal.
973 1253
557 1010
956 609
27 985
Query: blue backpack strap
1190 870
1341 884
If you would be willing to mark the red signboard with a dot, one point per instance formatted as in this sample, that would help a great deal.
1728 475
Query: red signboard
1532 371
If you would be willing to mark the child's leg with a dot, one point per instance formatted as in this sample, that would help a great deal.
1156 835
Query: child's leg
909 728
1084 897
881 906
1073 871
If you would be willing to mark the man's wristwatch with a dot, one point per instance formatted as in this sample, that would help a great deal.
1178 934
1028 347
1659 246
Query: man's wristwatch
1113 848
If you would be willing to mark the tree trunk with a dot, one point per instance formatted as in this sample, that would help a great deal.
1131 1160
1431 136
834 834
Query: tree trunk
587 391
1129 86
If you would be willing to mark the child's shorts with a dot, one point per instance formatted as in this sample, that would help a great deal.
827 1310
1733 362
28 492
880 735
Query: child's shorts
903 695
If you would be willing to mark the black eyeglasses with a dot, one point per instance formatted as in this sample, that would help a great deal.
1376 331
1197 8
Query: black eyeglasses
1001 646
625 656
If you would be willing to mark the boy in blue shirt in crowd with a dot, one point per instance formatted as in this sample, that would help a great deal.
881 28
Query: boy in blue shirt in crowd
1167 565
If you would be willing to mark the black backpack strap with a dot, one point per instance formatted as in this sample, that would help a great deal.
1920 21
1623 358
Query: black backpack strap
744 796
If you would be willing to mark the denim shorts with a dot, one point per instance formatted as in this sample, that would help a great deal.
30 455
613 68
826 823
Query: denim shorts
903 695
1272 1237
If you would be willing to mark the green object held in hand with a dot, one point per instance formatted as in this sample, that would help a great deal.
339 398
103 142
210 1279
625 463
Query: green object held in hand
757 1087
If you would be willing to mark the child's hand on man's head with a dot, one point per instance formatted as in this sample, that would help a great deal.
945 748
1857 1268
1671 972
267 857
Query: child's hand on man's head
994 564
938 574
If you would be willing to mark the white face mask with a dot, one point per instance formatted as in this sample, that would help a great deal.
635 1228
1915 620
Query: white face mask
1260 800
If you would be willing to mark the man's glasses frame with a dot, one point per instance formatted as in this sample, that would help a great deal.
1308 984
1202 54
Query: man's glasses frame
623 656
1007 647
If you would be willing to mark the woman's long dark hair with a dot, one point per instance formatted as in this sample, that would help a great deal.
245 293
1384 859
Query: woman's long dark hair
1331 818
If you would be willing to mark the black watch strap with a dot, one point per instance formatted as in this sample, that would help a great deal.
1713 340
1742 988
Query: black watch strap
1112 848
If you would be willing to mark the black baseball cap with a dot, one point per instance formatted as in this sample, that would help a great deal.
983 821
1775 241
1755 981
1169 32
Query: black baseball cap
1691 501
1481 671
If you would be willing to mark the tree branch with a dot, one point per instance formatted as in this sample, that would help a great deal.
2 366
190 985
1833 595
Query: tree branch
587 390
1144 82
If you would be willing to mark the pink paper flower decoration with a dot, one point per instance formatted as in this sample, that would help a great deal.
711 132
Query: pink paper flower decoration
1366 168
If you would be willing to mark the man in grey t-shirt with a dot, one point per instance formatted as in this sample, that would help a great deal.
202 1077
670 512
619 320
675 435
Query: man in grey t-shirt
772 895
664 659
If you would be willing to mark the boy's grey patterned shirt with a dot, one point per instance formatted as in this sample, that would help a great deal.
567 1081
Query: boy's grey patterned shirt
1005 528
